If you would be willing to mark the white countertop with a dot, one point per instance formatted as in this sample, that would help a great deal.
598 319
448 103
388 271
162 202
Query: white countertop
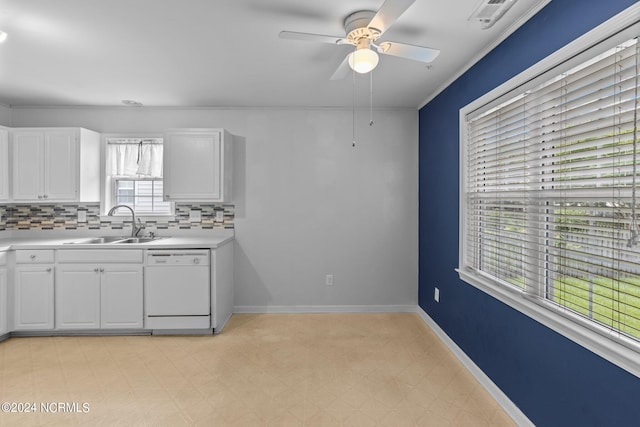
58 242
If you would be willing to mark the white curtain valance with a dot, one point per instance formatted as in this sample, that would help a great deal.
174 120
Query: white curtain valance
135 158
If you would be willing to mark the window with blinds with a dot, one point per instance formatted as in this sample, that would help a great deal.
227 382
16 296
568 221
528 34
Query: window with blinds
143 195
134 175
551 188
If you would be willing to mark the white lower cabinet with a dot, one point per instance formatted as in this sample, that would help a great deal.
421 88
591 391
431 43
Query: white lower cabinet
77 297
92 296
99 289
3 294
121 296
3 301
33 297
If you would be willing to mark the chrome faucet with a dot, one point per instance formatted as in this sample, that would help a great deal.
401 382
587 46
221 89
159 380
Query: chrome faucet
134 229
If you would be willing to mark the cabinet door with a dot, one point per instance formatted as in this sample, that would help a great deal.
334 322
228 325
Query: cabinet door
4 164
121 296
28 165
34 297
192 166
3 301
61 165
77 297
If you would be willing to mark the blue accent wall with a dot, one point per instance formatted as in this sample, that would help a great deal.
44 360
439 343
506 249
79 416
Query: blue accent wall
554 381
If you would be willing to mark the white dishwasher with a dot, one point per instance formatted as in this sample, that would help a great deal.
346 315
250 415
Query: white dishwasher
177 289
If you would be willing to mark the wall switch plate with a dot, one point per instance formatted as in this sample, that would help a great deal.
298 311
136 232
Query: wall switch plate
328 280
82 216
195 215
436 294
219 216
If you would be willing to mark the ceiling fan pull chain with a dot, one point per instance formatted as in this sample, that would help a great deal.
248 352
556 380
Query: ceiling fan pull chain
353 107
371 98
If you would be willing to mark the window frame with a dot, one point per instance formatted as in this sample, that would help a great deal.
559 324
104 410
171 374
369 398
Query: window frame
107 191
620 350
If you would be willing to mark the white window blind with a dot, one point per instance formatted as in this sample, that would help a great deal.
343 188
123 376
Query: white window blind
143 195
550 192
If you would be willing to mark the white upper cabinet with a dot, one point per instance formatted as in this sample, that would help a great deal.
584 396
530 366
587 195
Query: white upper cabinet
56 164
4 164
197 165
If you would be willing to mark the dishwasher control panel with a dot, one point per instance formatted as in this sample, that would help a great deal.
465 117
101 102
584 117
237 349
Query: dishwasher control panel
172 257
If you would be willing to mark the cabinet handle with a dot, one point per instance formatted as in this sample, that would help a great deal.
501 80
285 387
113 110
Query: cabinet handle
39 197
166 196
96 270
45 196
196 260
48 270
102 270
32 257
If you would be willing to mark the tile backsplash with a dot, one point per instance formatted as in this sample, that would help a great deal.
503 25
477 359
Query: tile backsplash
64 216
3 217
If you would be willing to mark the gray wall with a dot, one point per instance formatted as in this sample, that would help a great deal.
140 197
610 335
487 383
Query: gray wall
306 202
5 115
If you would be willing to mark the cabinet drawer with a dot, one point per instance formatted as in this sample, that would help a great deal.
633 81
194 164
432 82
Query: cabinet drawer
34 256
3 258
100 255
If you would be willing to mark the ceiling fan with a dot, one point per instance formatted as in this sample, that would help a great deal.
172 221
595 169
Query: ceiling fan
363 29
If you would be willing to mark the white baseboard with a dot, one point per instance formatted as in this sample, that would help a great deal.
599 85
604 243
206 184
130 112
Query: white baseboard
324 309
509 407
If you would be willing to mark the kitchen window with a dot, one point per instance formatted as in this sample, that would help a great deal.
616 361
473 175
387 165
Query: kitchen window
134 175
550 194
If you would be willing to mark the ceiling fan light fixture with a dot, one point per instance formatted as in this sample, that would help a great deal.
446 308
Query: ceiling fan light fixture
363 60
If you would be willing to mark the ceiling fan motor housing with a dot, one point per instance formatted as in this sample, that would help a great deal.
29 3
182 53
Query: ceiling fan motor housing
355 26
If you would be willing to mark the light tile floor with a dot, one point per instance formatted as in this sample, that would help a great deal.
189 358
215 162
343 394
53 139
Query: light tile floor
263 370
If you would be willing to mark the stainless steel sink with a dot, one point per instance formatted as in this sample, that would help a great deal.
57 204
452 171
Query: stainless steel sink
139 240
98 240
105 240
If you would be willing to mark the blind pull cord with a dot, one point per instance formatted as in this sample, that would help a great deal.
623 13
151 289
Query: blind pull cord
139 152
633 240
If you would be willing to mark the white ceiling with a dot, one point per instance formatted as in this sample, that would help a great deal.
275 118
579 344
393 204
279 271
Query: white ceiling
224 53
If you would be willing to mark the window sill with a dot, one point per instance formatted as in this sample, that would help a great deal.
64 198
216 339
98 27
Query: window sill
125 217
617 349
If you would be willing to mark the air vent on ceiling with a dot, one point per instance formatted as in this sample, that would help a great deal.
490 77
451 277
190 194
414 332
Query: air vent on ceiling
489 11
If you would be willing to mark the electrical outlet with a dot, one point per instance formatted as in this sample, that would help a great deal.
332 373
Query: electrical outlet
328 280
82 216
219 216
436 294
195 215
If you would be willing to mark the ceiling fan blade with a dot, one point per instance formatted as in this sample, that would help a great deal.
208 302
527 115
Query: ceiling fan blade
389 13
308 37
342 70
402 50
